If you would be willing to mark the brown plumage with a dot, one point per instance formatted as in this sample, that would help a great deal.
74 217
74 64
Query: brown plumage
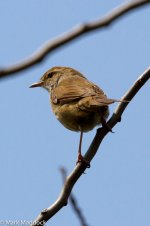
78 104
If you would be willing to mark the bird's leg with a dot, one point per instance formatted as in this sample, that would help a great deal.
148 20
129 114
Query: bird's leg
80 157
80 144
105 125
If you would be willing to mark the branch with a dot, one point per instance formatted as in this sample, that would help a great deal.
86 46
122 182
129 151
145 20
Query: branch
46 214
73 201
69 36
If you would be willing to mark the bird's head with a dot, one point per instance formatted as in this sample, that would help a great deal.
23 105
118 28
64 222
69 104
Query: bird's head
53 75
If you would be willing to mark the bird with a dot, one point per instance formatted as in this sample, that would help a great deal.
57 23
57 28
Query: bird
78 104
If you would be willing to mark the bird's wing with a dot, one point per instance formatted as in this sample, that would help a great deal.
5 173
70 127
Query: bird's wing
72 89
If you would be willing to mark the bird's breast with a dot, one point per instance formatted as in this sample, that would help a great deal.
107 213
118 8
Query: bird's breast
75 119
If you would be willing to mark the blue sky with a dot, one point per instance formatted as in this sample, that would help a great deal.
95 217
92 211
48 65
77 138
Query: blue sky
116 189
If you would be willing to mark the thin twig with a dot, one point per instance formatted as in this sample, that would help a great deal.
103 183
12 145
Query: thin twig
46 214
67 37
73 201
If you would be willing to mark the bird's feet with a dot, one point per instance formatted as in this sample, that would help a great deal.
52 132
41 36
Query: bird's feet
83 160
108 128
105 125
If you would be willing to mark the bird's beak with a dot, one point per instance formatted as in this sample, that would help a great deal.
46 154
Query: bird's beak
37 84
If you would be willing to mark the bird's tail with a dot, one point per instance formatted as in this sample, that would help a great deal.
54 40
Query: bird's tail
107 101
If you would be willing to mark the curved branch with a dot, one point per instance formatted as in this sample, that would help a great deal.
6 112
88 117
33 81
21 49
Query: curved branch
74 202
74 33
46 214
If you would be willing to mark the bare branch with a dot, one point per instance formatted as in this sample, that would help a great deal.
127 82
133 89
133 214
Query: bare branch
67 37
46 214
73 201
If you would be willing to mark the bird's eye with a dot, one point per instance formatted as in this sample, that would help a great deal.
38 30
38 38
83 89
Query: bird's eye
50 74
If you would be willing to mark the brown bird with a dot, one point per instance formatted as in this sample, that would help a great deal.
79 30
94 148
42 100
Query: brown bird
78 104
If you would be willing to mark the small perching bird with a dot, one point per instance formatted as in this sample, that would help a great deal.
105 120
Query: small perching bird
78 104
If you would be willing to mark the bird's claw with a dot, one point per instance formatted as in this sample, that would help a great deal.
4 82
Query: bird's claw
83 160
